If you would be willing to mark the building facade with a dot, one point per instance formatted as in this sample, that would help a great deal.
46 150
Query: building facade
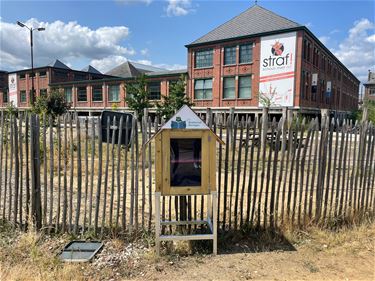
18 88
90 97
243 64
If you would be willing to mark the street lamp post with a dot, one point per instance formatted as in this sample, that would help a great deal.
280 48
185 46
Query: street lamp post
32 95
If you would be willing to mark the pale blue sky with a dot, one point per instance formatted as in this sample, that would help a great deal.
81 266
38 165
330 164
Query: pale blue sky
155 32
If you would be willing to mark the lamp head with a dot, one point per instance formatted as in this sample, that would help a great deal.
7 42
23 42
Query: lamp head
41 29
20 24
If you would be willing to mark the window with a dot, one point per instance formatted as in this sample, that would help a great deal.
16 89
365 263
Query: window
42 73
23 96
171 84
5 96
79 76
203 58
244 87
60 74
246 53
154 90
81 94
97 93
22 76
68 94
43 92
306 86
230 55
203 89
372 92
308 52
229 91
114 93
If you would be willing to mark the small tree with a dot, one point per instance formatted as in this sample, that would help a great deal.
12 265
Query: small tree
175 100
137 95
53 104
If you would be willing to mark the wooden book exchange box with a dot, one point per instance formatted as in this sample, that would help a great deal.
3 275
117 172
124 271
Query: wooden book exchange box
185 164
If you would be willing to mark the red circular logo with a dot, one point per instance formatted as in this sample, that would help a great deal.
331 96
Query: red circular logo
277 48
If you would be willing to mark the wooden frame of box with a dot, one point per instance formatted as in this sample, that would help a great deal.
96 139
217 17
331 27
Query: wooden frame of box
186 126
208 162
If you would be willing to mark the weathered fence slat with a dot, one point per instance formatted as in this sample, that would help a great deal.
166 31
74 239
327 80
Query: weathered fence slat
238 174
21 120
92 168
120 129
45 184
114 128
106 168
11 160
274 172
51 172
58 173
71 178
99 180
65 180
79 177
246 144
16 172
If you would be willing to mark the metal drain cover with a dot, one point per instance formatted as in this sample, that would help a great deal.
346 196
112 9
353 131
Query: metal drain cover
80 251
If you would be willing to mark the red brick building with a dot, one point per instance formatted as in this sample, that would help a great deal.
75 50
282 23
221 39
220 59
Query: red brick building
261 54
19 88
90 96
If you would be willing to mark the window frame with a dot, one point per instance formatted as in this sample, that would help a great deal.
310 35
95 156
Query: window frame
78 94
5 94
250 76
23 93
234 87
251 44
211 50
118 93
204 89
70 94
150 86
227 48
93 89
43 92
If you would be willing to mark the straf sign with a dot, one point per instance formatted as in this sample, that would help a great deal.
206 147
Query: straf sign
12 85
277 69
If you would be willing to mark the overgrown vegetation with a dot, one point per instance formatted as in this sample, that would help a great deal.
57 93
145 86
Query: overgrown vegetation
357 115
137 95
53 104
175 100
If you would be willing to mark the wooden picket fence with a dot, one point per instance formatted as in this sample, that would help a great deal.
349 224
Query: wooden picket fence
58 175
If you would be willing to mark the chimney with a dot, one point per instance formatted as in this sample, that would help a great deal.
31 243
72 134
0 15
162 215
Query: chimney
369 75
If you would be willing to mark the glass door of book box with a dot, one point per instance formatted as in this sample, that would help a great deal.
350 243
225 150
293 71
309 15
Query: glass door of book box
188 163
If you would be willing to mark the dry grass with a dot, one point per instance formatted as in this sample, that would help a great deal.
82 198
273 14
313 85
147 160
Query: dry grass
32 256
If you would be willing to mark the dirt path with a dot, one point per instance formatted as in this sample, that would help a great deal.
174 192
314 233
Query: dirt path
303 264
